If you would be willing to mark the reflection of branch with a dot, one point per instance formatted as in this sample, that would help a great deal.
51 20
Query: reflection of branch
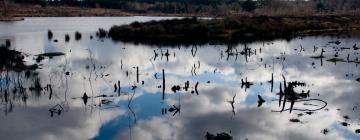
67 85
196 90
163 86
8 107
232 104
130 128
114 106
133 113
177 109
90 75
325 104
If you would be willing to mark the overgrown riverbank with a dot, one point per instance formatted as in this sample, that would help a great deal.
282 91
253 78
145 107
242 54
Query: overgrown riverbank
230 30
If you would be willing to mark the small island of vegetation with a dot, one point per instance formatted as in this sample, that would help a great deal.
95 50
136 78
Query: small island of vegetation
189 31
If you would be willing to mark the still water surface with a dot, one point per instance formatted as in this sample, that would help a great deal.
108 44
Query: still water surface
100 89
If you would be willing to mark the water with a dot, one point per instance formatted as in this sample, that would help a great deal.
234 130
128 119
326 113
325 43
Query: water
222 93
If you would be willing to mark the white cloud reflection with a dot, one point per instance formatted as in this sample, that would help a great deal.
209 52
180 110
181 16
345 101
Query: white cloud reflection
207 112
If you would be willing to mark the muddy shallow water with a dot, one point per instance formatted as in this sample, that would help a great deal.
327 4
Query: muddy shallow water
94 88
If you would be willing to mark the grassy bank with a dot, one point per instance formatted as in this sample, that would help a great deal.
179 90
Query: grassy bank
230 30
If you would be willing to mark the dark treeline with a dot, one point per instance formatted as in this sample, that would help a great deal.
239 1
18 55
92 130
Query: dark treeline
189 31
212 6
142 6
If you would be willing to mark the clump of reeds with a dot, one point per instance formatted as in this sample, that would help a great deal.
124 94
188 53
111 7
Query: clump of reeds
67 38
101 33
50 34
77 35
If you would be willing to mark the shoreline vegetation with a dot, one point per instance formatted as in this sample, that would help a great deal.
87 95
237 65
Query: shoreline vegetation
230 30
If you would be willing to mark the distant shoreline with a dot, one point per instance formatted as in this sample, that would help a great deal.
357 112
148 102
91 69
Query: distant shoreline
22 10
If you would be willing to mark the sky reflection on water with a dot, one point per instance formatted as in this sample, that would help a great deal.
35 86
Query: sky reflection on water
137 111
